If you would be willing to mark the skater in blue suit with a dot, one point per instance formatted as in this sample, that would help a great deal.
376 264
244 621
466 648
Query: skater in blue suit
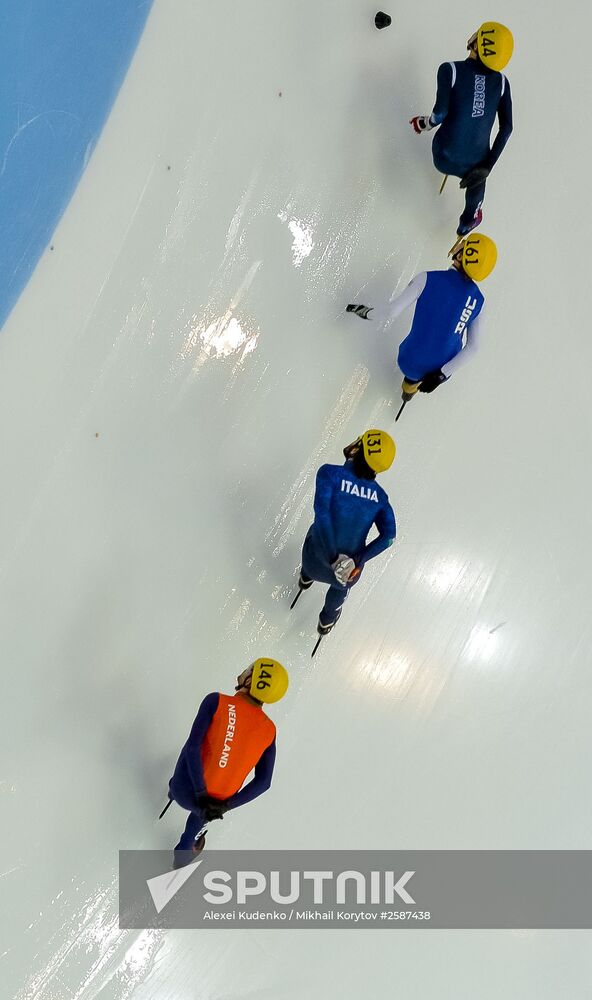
448 306
348 502
470 95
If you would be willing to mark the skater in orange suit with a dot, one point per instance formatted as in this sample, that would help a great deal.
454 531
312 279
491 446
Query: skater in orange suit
231 735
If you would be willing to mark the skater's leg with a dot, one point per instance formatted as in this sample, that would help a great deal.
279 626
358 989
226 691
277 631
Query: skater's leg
195 823
181 790
474 196
473 201
180 786
334 601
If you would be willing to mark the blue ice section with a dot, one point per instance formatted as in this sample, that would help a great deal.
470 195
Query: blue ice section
61 65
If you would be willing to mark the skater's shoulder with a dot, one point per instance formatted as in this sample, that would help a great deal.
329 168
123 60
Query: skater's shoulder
382 493
448 68
329 471
211 699
209 706
441 275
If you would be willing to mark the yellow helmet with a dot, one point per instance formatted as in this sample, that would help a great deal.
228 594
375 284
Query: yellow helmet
495 45
379 450
479 256
269 682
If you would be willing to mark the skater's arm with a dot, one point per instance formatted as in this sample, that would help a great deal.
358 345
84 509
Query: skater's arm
504 117
444 88
199 729
322 509
469 349
260 781
408 296
385 522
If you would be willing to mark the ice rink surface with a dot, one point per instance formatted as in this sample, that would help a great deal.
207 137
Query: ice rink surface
171 378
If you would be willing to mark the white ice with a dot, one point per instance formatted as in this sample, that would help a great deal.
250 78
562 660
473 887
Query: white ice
170 380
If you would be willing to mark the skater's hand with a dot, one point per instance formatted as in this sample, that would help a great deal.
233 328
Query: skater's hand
212 808
359 310
213 812
474 177
421 123
343 567
432 380
408 390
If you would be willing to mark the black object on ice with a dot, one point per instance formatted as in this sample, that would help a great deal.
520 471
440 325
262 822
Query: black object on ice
359 310
382 20
165 808
317 644
403 405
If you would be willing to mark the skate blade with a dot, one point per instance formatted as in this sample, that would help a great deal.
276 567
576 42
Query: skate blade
455 246
443 184
316 646
296 598
168 805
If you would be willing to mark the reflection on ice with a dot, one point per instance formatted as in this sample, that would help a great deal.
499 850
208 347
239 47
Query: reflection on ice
481 643
302 237
221 338
138 958
444 574
391 671
94 955
225 336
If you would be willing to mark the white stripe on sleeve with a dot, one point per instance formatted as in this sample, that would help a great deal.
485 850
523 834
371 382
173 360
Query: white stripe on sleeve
473 331
408 296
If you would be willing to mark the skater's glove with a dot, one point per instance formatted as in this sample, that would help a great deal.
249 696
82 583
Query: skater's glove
408 390
343 567
212 808
422 123
361 311
432 380
474 177
353 576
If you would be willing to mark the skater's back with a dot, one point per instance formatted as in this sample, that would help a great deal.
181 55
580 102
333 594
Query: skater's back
468 99
346 506
449 302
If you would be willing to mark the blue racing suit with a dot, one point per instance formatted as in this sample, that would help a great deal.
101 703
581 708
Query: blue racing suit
468 99
444 322
345 507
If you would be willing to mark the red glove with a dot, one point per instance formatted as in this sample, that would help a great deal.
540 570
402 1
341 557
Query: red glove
421 123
